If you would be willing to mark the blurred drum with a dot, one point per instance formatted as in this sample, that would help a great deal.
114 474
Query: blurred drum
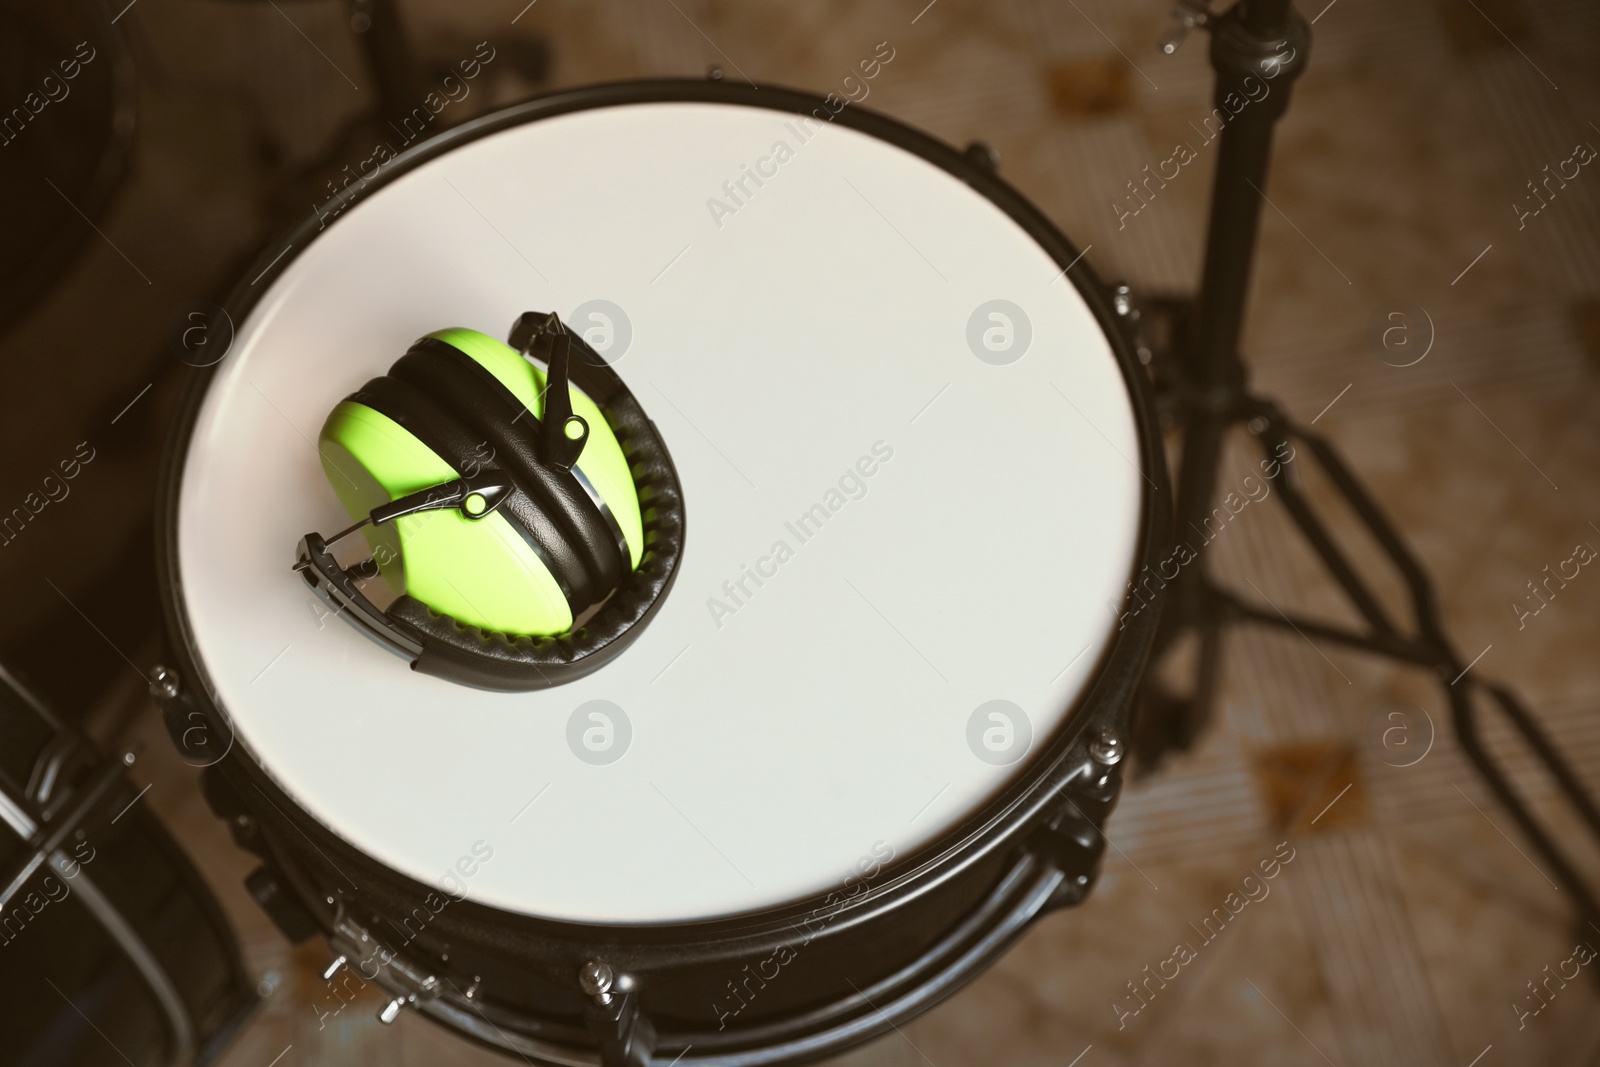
112 949
869 732
66 126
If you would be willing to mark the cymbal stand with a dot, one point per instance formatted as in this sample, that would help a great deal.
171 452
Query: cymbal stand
1203 389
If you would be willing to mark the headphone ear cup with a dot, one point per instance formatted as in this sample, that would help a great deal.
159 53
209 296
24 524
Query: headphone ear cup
508 572
603 467
496 661
477 397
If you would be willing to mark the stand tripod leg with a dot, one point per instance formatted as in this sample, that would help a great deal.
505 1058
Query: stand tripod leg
1204 388
1463 714
1428 648
1166 721
1431 648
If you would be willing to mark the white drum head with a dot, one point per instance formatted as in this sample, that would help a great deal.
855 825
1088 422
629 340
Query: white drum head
806 356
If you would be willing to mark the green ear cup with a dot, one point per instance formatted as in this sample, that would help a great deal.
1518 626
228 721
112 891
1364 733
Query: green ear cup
602 461
481 572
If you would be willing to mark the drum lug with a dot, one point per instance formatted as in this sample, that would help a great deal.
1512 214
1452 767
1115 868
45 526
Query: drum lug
397 974
1106 748
187 723
626 1036
166 689
164 684
1071 842
1070 838
1131 318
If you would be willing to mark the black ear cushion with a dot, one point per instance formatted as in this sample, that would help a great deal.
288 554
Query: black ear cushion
458 446
471 656
478 399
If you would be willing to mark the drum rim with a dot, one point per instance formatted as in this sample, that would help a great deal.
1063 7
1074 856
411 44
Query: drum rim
998 822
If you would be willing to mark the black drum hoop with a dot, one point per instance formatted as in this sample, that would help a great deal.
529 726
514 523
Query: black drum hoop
975 847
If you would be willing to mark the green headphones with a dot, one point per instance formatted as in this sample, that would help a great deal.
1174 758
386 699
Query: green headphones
501 501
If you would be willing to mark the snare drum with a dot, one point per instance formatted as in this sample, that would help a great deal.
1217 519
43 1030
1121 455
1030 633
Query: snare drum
868 733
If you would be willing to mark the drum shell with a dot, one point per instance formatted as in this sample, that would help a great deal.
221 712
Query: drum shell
1013 859
1000 873
688 974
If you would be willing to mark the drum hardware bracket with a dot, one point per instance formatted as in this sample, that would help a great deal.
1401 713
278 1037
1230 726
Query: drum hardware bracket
626 1036
409 983
166 689
984 155
164 683
1203 393
268 885
1070 838
268 889
1186 15
596 980
1107 747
